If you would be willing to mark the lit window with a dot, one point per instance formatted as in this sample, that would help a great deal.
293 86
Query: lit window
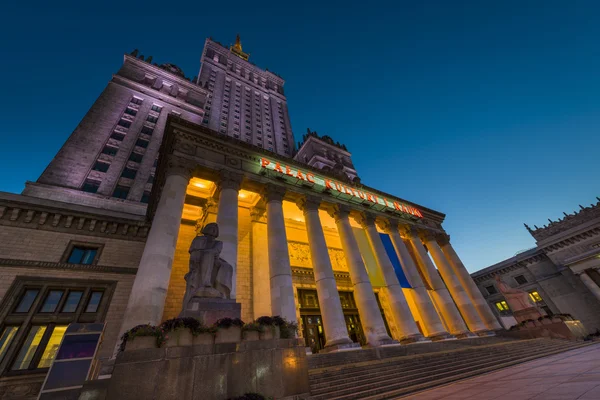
28 349
82 255
535 296
52 347
502 306
521 280
8 334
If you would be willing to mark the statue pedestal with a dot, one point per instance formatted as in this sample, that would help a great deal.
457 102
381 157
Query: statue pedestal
527 313
209 310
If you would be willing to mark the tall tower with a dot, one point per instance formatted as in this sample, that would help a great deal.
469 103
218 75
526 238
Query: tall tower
244 101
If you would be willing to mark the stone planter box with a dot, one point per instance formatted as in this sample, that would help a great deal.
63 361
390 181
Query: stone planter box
141 342
250 336
179 337
270 332
203 338
233 334
556 319
529 324
546 321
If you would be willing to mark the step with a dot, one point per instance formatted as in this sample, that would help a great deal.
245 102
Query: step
393 390
406 363
408 369
425 372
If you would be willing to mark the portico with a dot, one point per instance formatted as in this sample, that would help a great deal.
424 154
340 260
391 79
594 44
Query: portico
345 261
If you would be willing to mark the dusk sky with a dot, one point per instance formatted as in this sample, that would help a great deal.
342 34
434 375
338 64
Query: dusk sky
486 111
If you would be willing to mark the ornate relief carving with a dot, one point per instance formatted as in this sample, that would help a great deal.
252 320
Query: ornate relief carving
299 254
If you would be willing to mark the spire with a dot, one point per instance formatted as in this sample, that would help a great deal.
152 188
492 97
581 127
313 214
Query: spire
237 49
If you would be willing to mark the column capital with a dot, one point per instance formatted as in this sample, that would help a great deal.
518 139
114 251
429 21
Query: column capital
365 219
308 203
339 212
257 214
426 235
230 180
273 193
180 166
388 225
407 231
442 238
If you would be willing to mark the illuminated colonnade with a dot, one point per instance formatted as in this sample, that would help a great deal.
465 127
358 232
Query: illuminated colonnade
258 234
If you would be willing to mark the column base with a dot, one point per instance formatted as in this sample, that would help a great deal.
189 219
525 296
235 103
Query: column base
485 333
335 348
465 335
441 336
383 343
418 338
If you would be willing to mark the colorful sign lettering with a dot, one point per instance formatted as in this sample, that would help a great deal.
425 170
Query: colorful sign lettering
333 185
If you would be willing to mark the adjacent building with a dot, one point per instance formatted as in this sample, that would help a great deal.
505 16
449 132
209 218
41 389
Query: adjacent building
561 273
103 234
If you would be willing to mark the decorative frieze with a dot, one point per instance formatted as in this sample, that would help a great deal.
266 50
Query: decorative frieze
5 262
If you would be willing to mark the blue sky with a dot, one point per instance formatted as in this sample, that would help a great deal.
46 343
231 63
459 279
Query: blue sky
486 111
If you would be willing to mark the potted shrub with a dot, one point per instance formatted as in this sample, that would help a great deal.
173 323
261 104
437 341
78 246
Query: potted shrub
545 320
178 331
251 331
271 331
204 335
142 337
289 330
229 330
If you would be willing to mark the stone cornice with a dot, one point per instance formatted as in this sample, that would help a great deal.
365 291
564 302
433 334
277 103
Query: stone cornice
308 272
508 265
22 215
570 221
194 134
578 237
6 262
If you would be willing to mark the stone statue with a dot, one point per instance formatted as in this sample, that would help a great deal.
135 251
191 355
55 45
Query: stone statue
209 276
517 299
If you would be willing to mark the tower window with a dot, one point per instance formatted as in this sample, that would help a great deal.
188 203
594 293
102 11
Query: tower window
136 100
130 111
117 136
145 198
82 255
135 157
129 173
90 186
101 166
124 123
156 108
121 192
152 119
146 130
111 151
491 289
521 280
142 143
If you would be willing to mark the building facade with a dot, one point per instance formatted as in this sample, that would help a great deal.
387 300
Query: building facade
103 234
561 273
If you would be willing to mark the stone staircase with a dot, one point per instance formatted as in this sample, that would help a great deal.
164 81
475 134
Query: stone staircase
388 373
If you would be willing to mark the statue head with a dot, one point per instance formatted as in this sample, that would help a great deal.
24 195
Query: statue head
211 229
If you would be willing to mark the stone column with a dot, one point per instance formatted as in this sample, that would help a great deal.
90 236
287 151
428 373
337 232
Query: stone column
441 296
261 289
467 309
334 323
280 272
589 282
409 332
227 219
482 307
431 319
368 309
147 298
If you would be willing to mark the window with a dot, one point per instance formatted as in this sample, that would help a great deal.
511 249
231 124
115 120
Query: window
156 108
124 123
135 157
205 121
491 289
82 255
117 136
90 186
146 130
152 119
520 279
121 192
130 111
30 341
150 179
502 306
535 296
137 100
145 197
101 166
111 151
142 143
129 173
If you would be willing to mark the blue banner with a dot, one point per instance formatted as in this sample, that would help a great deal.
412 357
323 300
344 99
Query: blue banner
391 252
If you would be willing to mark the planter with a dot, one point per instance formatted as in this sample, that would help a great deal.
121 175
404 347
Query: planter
179 337
556 319
203 339
546 321
233 334
141 342
250 336
270 332
529 324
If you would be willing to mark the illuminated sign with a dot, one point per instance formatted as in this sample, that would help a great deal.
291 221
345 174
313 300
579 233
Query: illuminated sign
330 184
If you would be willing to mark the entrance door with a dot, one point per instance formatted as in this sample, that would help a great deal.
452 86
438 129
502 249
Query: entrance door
314 336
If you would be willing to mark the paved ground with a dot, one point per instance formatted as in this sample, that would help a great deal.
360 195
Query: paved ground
571 375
